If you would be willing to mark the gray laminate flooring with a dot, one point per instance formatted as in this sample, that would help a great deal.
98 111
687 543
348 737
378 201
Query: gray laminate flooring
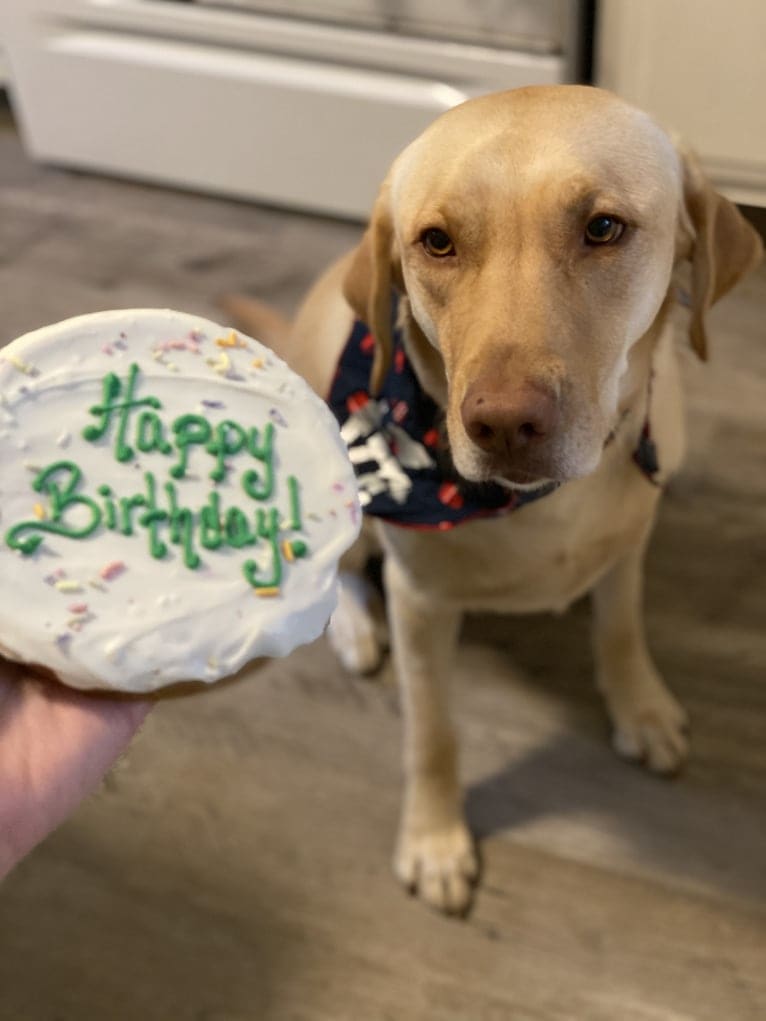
235 865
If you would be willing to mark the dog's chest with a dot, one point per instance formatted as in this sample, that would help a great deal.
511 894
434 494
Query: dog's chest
540 558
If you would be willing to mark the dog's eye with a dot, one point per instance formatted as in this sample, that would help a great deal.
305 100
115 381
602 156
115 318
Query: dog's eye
603 230
437 243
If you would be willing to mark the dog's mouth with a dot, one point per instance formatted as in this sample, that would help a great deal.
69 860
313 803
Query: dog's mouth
524 482
533 473
512 479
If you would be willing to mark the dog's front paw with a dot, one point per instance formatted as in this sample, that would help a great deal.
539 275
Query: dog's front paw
649 724
440 866
355 629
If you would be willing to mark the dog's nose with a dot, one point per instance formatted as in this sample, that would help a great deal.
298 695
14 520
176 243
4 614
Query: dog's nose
501 423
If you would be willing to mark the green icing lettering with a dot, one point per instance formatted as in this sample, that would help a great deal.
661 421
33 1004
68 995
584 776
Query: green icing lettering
150 434
182 528
267 528
59 482
75 515
211 533
293 489
110 508
127 506
190 431
152 517
260 486
237 529
228 439
112 389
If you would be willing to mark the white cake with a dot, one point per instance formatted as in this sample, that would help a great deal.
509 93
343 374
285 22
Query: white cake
173 501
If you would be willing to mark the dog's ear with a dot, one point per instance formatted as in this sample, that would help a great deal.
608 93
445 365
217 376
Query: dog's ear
373 271
723 246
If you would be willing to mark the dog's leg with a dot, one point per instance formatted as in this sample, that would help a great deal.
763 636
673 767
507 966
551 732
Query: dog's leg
649 724
357 628
435 855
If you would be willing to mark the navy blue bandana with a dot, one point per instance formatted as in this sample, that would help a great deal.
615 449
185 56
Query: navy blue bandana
396 444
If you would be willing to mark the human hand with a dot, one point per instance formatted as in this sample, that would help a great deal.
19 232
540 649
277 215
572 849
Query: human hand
56 744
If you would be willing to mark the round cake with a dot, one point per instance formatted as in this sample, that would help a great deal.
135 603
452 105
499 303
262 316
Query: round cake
173 501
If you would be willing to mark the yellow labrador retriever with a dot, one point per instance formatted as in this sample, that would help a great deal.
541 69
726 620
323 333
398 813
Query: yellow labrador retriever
532 238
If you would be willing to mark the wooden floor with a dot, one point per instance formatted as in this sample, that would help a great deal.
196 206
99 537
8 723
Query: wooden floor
235 866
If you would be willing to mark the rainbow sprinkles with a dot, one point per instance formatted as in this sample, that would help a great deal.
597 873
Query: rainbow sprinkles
144 501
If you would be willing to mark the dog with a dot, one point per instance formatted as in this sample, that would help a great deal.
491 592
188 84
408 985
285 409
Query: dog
522 258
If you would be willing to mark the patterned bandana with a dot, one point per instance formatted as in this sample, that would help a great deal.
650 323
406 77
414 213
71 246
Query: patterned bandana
395 443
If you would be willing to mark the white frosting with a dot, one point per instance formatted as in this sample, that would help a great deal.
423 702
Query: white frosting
104 611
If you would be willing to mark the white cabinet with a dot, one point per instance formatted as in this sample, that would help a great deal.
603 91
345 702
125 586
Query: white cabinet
282 110
700 67
538 26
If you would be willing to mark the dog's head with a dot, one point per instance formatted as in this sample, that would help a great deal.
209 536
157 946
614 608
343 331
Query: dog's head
534 234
